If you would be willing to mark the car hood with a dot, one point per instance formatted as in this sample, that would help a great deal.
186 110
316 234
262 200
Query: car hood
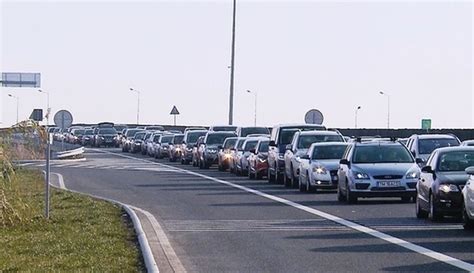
328 164
459 178
385 168
301 152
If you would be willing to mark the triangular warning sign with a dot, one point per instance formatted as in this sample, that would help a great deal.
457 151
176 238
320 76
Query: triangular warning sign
174 111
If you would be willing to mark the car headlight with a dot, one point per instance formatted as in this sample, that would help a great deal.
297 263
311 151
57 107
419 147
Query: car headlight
165 148
178 149
320 170
262 160
360 175
412 175
298 159
446 188
102 137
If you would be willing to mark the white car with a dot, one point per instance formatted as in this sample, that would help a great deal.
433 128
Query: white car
318 168
298 147
468 196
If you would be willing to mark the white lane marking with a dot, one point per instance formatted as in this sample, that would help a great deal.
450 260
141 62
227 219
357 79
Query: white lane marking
372 232
164 242
61 181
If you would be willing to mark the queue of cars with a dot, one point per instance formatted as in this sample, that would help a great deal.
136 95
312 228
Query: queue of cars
436 172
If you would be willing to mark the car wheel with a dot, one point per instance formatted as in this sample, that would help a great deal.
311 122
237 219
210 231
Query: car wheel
294 183
258 175
420 213
301 187
309 188
468 223
220 168
251 175
340 196
278 176
434 213
270 177
350 197
286 180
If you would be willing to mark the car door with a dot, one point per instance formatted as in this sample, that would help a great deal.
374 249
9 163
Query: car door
469 199
289 154
426 180
343 170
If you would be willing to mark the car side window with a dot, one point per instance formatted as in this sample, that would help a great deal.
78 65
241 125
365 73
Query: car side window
347 152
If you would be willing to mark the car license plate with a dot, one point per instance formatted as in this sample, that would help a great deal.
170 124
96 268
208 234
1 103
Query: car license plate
389 183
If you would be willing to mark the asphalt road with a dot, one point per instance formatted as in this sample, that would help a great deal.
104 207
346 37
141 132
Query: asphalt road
215 226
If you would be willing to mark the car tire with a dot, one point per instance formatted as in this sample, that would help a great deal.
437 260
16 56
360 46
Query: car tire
251 175
309 188
301 187
278 177
434 215
258 175
468 224
340 196
420 213
286 180
270 177
294 183
351 198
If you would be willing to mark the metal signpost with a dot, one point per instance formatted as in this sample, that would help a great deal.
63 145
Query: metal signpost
314 116
174 112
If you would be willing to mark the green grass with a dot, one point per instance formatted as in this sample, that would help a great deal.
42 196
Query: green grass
82 234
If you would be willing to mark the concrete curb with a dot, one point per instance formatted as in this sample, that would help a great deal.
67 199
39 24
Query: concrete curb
150 263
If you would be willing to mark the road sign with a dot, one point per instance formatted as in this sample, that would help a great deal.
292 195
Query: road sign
314 116
174 111
63 119
37 115
21 80
426 124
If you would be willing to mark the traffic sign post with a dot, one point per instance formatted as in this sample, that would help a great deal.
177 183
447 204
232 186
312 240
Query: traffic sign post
426 124
174 112
314 116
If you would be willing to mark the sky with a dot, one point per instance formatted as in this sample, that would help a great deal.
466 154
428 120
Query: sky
294 55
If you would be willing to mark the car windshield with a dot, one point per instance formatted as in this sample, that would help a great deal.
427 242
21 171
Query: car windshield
216 139
193 137
156 138
89 132
328 152
455 161
305 141
263 147
250 144
79 132
132 132
166 139
254 130
108 131
119 128
230 143
178 139
240 143
382 154
286 135
139 136
426 146
224 129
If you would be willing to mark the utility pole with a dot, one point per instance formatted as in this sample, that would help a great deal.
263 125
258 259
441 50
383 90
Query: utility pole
231 96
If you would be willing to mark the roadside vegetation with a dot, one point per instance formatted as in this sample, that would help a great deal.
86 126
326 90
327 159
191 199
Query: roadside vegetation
82 234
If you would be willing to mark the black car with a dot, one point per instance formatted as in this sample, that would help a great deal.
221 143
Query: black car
441 182
105 137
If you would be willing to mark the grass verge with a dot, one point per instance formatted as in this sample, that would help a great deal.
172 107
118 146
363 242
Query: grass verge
83 234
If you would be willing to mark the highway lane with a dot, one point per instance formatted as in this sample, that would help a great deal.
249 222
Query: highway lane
214 227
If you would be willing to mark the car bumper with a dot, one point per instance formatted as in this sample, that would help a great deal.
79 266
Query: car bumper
450 203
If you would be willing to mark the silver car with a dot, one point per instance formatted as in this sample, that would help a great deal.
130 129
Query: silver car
468 197
377 169
318 168
298 147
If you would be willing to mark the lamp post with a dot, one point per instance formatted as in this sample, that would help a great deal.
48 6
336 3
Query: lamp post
17 104
255 113
388 107
48 155
231 95
138 104
357 110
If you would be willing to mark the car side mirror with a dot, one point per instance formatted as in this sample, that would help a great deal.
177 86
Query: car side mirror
288 147
219 147
427 169
305 157
413 153
419 160
344 162
184 142
252 151
470 170
171 143
272 143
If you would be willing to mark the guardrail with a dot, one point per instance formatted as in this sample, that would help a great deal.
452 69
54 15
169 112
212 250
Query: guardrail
71 154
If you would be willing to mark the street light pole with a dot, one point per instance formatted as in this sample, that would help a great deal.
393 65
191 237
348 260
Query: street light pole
48 155
255 113
357 110
17 104
231 95
138 105
388 108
